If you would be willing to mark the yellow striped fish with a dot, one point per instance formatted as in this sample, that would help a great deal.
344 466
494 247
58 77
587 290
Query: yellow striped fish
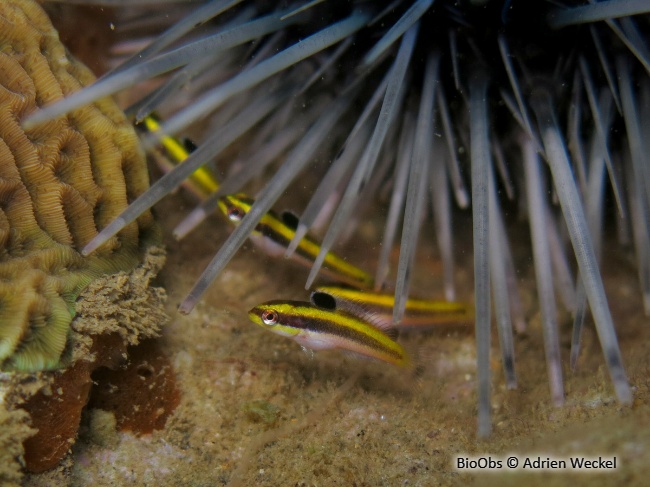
319 329
379 307
274 233
201 183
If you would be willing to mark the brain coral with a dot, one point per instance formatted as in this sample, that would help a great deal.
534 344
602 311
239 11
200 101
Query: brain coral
59 183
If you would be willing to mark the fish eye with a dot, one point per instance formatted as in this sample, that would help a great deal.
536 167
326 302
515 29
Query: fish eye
235 214
270 317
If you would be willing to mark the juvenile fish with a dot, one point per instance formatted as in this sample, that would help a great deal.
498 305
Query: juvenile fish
274 233
379 307
174 151
318 329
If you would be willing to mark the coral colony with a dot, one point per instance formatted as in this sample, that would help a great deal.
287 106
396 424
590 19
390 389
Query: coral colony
60 181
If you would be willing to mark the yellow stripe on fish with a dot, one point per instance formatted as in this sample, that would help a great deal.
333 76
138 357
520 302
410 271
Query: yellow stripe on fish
318 329
202 183
274 233
379 307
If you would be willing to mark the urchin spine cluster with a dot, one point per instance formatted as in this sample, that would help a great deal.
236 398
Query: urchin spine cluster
560 140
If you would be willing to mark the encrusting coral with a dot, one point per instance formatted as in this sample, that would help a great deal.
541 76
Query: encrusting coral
59 183
113 312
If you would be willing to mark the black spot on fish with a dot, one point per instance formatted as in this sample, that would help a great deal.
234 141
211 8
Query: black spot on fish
290 219
323 300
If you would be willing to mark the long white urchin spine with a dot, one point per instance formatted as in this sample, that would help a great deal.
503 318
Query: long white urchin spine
416 194
392 100
580 238
411 16
267 68
594 197
641 184
480 161
266 154
538 216
160 64
605 10
197 17
161 188
440 201
498 281
404 154
295 162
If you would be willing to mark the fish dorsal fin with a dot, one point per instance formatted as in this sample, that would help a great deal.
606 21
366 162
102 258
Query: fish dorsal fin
290 219
323 300
189 145
326 301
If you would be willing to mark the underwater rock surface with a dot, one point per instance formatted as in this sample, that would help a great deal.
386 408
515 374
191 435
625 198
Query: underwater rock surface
40 412
59 183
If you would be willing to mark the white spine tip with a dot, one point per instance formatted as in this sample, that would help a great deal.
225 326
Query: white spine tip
103 236
189 223
293 245
187 305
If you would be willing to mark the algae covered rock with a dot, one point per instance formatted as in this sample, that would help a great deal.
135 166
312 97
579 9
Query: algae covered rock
59 184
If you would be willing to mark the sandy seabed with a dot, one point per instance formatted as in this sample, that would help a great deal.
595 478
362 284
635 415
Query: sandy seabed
257 410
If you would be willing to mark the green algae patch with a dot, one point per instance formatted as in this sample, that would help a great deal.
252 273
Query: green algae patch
260 411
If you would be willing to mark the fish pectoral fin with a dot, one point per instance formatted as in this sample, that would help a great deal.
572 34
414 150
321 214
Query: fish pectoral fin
308 351
267 245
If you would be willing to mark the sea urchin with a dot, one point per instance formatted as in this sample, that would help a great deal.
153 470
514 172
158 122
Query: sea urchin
541 101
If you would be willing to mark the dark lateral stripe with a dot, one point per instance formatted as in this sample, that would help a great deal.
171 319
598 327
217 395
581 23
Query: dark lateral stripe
331 327
269 232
